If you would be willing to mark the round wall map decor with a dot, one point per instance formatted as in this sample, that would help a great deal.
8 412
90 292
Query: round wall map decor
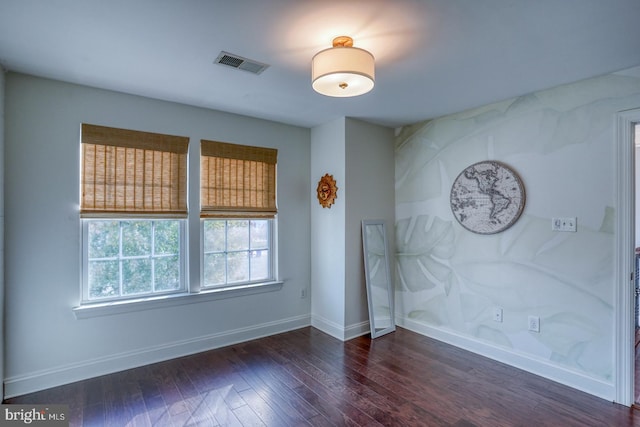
487 197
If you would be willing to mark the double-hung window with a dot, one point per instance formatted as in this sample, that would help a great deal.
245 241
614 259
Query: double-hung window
133 206
238 207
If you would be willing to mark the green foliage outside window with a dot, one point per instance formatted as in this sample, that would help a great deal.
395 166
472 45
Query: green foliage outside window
133 257
236 251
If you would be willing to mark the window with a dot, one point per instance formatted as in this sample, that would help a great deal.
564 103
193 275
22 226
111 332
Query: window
133 205
238 207
132 258
133 208
236 251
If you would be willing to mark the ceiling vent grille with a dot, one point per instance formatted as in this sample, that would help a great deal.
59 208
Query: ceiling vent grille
245 64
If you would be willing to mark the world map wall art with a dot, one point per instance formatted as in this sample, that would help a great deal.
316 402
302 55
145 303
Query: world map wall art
487 197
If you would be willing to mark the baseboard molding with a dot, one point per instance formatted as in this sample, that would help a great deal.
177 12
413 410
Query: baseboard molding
327 326
36 381
356 330
540 367
338 331
41 380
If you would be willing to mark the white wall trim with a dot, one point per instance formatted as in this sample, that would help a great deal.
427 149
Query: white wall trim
535 366
338 331
35 381
88 311
327 326
624 324
356 330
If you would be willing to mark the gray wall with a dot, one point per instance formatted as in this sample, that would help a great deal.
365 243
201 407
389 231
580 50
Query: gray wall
359 155
328 230
637 183
369 179
45 343
2 181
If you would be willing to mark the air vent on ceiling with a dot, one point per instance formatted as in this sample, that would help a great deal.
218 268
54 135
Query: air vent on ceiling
235 61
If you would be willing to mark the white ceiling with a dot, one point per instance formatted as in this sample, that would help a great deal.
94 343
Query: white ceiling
433 57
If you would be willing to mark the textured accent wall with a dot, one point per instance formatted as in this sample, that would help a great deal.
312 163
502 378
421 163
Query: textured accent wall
560 141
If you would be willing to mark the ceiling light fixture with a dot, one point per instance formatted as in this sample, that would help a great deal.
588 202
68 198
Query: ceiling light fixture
343 70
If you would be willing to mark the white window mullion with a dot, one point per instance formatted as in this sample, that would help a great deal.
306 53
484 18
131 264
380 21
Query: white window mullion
226 251
249 249
120 255
153 256
271 251
85 261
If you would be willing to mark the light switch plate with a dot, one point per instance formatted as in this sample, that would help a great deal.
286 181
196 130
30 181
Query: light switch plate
564 224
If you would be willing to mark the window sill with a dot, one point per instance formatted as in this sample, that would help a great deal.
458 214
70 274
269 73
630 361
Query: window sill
118 307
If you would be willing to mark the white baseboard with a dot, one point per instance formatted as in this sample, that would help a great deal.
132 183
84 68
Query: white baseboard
327 326
338 331
541 367
36 381
356 330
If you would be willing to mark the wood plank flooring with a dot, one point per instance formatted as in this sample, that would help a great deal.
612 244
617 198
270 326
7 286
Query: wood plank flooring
306 377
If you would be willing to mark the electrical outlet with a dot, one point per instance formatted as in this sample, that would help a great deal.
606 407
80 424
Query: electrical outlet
564 224
303 293
497 314
534 323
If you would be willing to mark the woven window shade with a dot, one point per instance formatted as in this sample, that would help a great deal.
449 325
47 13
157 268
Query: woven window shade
237 181
132 173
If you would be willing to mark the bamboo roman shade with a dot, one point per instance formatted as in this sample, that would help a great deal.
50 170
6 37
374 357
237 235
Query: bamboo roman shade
126 172
237 181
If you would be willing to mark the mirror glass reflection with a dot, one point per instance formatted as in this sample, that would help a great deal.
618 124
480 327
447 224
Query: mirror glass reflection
378 278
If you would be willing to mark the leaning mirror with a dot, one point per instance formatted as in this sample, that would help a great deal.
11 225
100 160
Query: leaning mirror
378 278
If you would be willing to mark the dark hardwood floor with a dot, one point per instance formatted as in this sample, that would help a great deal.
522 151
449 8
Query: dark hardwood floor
306 377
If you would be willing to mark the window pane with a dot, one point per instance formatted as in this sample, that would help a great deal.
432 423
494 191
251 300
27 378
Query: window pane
259 234
238 267
214 269
238 235
246 257
167 273
214 236
133 257
167 237
136 276
259 265
104 239
136 238
103 279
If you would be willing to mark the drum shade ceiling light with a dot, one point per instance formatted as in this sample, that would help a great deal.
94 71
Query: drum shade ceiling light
343 70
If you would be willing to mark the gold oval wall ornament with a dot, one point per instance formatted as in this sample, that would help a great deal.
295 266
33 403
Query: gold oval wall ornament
327 191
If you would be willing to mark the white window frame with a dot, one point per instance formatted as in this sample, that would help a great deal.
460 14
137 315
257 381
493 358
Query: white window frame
184 288
272 276
190 295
